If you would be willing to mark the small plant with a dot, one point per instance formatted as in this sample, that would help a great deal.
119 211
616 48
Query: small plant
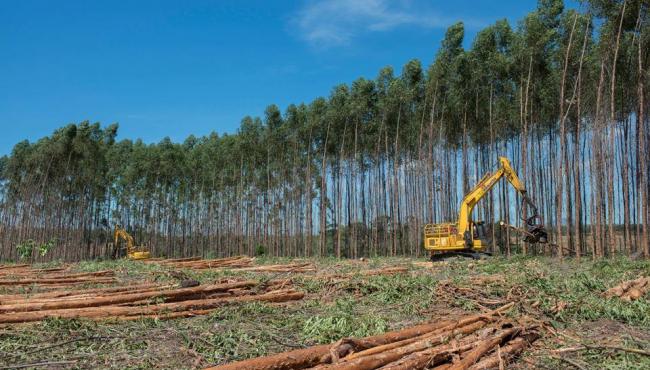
260 250
44 248
26 248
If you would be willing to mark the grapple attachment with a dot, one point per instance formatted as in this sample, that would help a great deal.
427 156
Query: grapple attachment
535 231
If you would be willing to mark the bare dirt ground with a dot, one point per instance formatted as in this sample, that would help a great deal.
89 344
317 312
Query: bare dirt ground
194 314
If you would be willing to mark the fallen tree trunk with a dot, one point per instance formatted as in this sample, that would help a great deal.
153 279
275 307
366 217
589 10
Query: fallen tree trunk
123 298
322 354
29 271
57 281
64 293
78 275
308 357
513 349
174 260
432 356
9 267
629 290
482 349
302 267
214 263
22 300
115 311
377 360
391 346
167 316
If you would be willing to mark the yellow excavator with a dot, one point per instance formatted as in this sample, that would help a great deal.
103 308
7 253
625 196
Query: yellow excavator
468 238
133 252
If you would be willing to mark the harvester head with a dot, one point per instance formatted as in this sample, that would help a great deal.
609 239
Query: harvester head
535 231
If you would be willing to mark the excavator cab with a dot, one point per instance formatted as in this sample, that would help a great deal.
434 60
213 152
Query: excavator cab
480 232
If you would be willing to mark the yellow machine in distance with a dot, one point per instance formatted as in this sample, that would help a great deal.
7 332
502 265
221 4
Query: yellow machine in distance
133 252
468 237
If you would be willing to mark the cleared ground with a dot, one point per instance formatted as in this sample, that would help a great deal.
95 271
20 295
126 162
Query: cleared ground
330 300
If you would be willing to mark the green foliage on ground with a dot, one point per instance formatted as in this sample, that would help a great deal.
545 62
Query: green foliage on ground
334 309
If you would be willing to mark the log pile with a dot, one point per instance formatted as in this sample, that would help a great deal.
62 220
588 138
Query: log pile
142 301
629 290
27 270
196 263
24 275
483 341
240 263
290 267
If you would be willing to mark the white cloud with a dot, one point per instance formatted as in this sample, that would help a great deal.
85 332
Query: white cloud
327 23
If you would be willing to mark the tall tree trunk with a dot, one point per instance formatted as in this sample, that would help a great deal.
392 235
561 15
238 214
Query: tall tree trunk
643 147
562 158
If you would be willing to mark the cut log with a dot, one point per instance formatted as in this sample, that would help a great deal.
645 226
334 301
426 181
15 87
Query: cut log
377 360
430 356
174 260
292 267
321 354
447 330
64 293
116 311
167 316
32 272
123 298
89 295
57 281
473 356
513 349
629 290
78 275
12 267
308 357
214 263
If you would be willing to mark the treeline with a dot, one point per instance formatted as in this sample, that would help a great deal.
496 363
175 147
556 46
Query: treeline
563 94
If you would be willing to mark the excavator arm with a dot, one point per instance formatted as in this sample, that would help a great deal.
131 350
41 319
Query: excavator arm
122 234
483 188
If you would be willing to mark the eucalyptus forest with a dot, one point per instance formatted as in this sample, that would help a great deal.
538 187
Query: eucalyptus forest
563 93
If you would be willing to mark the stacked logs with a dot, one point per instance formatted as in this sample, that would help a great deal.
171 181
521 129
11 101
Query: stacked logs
482 341
196 263
142 301
24 275
290 267
240 263
22 270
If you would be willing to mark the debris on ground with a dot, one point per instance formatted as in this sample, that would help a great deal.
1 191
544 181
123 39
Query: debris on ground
375 272
629 290
225 314
240 263
291 267
197 263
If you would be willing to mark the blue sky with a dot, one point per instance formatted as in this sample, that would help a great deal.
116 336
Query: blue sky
174 68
